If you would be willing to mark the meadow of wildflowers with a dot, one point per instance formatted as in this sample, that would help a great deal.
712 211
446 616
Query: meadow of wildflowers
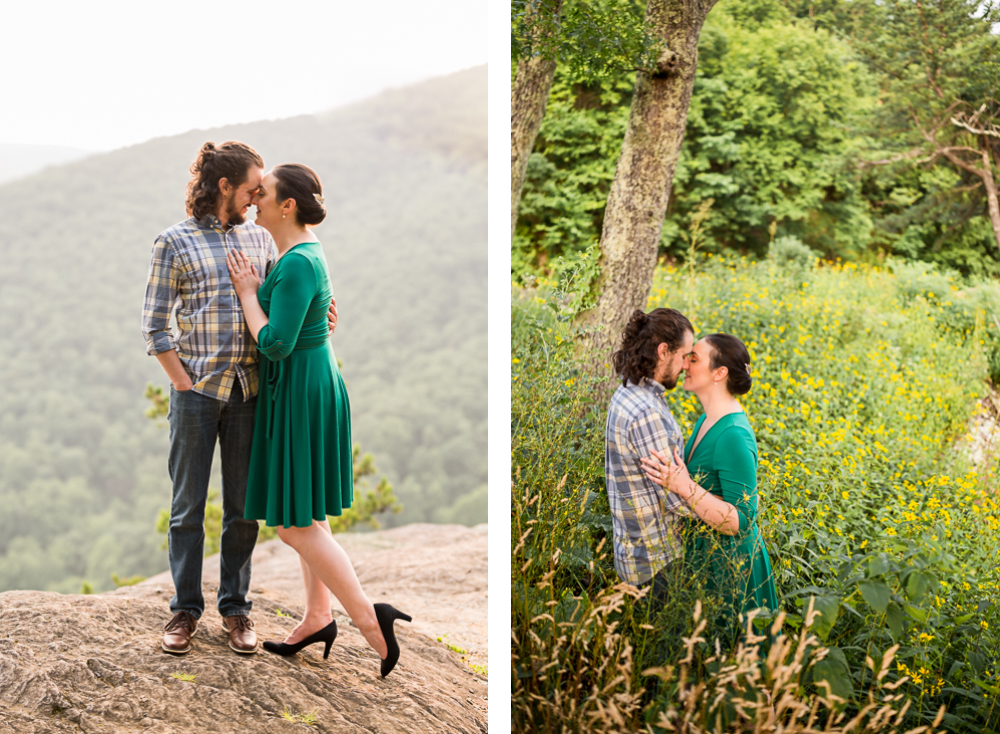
865 379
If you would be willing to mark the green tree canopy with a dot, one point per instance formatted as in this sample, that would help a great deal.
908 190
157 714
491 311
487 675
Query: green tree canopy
937 65
772 135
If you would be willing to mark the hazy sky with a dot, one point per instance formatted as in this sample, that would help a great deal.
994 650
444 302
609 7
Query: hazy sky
105 74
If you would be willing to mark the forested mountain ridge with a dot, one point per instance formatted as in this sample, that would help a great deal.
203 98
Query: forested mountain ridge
19 160
83 472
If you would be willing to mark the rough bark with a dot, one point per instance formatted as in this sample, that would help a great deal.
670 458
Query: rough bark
637 203
991 195
529 96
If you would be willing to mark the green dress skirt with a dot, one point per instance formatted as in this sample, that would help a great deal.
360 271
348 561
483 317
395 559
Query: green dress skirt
735 566
301 465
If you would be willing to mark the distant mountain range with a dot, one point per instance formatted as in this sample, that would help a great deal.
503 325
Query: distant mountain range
20 160
404 180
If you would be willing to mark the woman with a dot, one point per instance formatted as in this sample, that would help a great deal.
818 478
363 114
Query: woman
723 450
301 467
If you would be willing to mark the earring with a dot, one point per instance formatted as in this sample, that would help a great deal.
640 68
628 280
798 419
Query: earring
282 216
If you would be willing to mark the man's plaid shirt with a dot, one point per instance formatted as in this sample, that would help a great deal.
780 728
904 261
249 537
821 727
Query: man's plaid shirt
645 516
188 272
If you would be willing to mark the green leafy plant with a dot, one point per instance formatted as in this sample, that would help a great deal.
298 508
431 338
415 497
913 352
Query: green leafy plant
309 718
130 581
450 645
478 669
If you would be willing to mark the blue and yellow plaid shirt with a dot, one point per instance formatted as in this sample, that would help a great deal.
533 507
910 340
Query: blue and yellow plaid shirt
187 272
644 516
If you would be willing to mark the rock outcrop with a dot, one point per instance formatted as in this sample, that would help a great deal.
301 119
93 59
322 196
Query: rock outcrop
980 443
72 663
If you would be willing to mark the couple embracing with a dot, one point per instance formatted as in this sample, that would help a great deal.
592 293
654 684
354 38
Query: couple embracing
251 368
649 466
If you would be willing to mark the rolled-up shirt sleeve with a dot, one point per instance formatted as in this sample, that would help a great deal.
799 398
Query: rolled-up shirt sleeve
162 287
290 299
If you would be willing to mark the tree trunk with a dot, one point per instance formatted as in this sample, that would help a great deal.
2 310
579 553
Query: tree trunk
640 191
990 185
529 96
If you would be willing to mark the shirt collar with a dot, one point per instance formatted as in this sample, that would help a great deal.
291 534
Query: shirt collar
210 221
652 386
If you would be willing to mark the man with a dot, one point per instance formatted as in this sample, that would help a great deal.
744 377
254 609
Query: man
645 518
212 366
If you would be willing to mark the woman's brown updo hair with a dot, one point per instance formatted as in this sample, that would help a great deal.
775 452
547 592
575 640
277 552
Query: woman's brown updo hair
637 357
295 181
729 352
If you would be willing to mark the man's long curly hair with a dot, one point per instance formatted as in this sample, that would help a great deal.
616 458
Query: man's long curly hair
231 160
644 333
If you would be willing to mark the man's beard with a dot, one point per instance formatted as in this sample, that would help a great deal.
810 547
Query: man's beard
670 381
234 215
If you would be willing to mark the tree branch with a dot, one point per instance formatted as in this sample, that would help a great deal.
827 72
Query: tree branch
964 165
975 131
901 157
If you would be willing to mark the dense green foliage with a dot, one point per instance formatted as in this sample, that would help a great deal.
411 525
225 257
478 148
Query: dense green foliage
590 39
936 63
786 110
405 188
864 378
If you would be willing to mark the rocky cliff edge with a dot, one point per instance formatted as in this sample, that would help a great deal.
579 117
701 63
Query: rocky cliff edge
73 663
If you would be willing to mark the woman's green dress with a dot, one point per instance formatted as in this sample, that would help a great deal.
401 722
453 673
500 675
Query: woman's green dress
301 467
737 566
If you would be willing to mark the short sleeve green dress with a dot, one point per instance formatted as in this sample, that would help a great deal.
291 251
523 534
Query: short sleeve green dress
725 463
301 467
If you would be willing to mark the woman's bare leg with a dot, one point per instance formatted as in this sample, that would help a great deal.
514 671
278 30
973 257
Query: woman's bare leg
330 564
317 614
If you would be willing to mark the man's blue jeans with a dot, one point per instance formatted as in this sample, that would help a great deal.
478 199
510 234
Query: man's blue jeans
196 423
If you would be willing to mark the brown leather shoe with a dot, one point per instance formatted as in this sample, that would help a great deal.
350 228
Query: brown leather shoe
178 633
242 638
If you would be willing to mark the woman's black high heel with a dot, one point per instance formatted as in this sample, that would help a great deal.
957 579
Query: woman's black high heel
386 615
328 634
